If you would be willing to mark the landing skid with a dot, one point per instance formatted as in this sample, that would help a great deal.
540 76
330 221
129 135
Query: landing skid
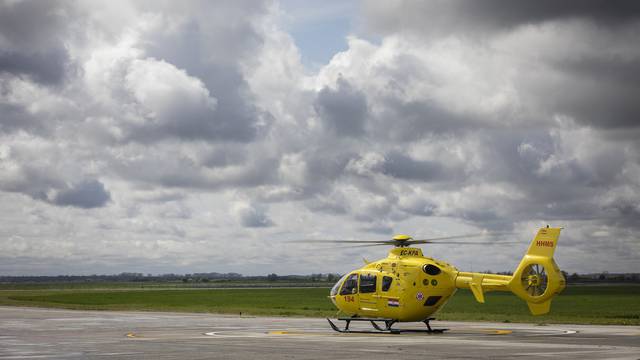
388 323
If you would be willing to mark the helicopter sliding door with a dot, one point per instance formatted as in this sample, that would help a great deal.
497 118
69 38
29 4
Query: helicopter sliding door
368 292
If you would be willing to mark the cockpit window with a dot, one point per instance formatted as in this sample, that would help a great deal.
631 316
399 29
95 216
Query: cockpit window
386 283
336 287
350 285
368 283
431 269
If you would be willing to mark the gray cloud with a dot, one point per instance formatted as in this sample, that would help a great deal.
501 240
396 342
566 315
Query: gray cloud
229 117
343 110
401 166
32 35
86 194
22 172
599 92
171 165
252 216
34 24
14 117
48 67
41 172
174 104
434 18
211 49
414 120
593 76
224 156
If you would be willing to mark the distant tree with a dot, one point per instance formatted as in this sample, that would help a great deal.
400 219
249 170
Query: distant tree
602 276
272 277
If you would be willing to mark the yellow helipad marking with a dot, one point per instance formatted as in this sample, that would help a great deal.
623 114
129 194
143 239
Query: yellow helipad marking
500 332
298 333
479 331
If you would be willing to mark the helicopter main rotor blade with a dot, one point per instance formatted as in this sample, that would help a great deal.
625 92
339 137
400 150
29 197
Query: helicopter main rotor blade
411 242
485 234
438 240
320 241
350 247
391 242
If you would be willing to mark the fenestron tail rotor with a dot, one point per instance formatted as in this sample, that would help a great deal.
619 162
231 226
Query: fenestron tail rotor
534 280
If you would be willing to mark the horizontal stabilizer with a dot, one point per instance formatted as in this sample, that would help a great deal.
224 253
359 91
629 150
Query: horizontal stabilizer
539 309
476 287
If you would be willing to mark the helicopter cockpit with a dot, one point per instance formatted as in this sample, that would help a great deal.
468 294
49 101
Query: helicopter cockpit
354 283
336 288
347 285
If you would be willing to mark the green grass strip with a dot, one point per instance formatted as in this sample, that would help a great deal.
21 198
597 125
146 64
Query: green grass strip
611 304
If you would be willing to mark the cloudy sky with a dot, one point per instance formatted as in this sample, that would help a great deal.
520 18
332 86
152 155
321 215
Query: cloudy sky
163 136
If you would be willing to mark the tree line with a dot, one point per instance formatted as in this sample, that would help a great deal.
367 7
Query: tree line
272 277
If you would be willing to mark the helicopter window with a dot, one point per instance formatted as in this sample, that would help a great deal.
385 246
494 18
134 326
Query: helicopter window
368 283
386 283
350 285
431 269
336 287
432 300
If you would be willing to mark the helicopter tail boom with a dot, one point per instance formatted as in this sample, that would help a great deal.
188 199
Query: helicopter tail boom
536 280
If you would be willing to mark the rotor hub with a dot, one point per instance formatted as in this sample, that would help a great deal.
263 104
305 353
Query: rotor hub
402 240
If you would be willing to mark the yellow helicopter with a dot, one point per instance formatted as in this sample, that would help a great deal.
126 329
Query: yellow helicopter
409 287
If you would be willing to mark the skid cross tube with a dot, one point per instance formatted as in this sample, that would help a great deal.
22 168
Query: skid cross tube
430 330
387 325
387 328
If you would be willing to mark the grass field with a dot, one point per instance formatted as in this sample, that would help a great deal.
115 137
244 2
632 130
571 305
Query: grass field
610 304
159 285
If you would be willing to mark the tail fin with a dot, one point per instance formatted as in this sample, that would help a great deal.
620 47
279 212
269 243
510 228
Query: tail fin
538 278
